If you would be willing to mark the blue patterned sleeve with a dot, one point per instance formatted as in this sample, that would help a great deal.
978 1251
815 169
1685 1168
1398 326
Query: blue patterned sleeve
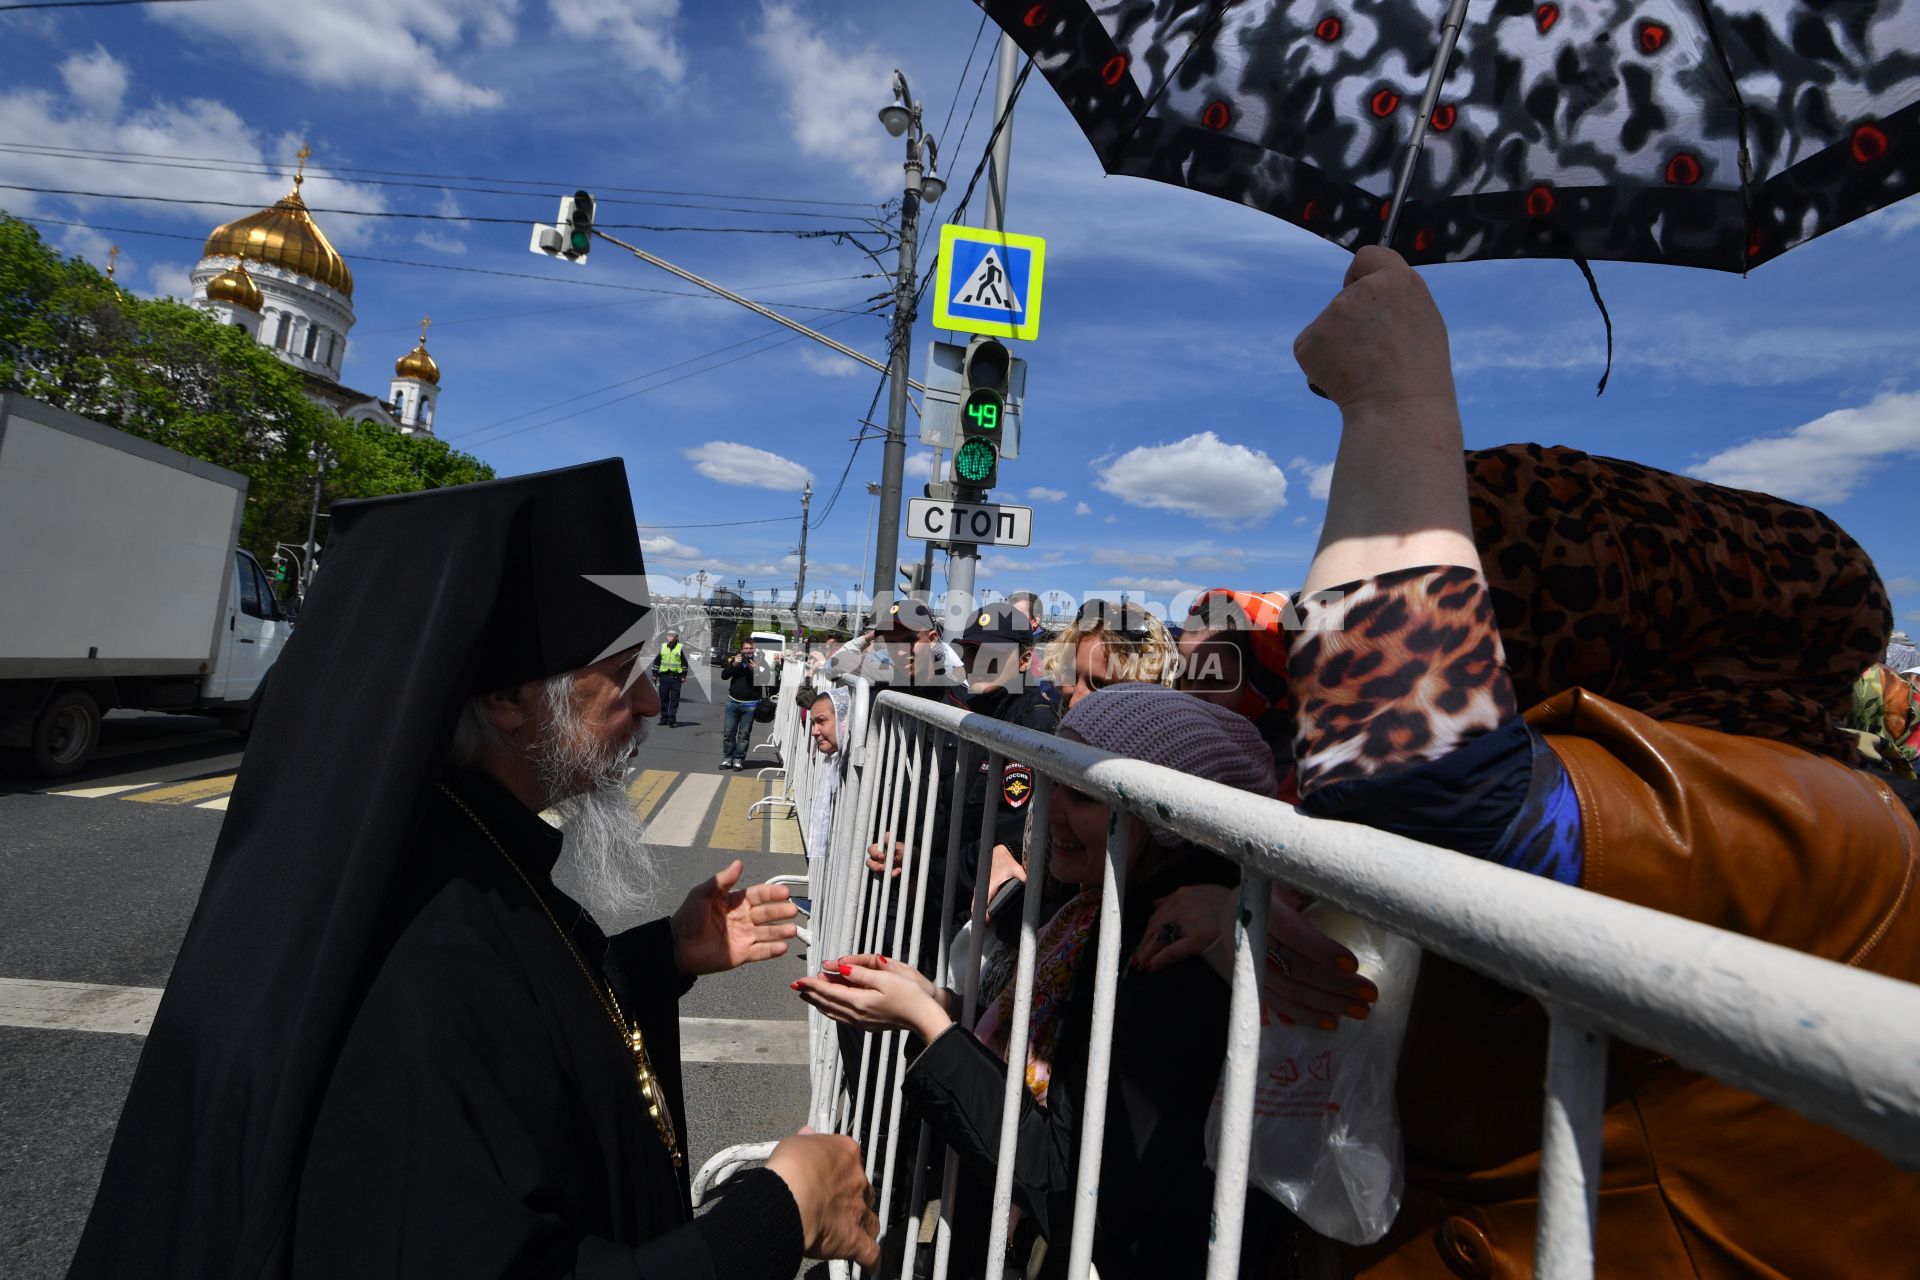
1502 796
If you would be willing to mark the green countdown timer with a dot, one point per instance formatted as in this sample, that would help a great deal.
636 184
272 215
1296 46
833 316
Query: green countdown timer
974 461
983 410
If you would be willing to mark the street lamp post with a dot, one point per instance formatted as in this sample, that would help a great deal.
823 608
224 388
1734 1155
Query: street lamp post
873 493
902 119
323 461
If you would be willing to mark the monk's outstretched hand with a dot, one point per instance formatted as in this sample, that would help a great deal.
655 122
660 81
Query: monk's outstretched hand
720 927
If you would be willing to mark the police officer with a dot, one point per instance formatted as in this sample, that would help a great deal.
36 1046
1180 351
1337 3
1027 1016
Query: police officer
996 645
669 670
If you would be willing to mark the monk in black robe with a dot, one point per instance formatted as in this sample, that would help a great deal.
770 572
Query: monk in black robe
391 1045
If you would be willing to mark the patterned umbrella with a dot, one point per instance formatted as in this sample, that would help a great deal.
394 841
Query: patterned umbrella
1704 134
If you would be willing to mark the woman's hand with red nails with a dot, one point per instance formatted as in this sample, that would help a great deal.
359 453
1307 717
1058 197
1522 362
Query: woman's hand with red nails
871 993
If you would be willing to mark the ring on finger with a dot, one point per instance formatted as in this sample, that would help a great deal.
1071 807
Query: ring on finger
1169 932
1277 959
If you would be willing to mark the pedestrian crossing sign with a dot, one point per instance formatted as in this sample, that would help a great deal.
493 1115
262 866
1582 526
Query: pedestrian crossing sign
988 282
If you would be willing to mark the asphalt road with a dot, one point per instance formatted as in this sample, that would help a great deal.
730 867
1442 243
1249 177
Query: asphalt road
100 890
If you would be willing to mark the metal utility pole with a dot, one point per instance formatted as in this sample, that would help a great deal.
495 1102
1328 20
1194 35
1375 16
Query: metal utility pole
963 558
800 584
900 118
323 462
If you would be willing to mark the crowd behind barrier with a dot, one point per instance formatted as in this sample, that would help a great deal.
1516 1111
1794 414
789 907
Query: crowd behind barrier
1834 1043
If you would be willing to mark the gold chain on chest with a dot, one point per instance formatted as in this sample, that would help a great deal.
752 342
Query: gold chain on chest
651 1091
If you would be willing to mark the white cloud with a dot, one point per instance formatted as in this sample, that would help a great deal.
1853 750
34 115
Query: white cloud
1151 562
447 237
1110 519
1082 509
1040 493
642 30
1695 350
1216 564
831 94
742 464
919 468
1319 477
1300 522
668 549
1200 476
170 280
96 81
1895 219
95 115
1912 616
831 364
1903 584
381 46
1157 586
1823 460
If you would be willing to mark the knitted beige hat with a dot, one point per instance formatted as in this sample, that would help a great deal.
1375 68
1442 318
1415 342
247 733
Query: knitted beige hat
1163 726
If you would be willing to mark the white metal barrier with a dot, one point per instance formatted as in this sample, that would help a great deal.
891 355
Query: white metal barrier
1834 1043
787 739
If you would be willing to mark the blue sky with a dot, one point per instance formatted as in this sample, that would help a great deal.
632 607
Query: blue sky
1170 441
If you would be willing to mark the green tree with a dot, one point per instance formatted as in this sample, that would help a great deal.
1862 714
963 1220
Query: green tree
174 375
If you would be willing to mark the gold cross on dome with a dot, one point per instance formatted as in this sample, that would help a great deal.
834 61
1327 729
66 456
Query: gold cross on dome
426 322
300 175
113 257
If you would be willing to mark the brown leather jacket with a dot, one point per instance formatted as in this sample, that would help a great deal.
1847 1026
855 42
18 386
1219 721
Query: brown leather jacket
1697 1178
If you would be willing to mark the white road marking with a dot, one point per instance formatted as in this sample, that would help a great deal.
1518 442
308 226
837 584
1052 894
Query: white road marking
77 1006
220 804
677 822
743 1040
86 1006
100 793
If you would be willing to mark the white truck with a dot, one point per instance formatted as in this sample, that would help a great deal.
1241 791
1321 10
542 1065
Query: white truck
121 585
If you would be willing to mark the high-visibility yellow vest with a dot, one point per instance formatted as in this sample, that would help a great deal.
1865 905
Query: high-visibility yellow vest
673 660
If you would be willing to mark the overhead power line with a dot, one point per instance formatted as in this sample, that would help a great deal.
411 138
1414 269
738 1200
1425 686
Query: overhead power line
543 185
721 524
412 216
597 306
449 266
255 169
85 4
594 408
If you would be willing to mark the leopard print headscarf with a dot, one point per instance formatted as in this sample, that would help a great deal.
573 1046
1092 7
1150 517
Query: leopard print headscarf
1687 601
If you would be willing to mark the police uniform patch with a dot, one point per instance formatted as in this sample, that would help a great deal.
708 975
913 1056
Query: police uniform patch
1016 785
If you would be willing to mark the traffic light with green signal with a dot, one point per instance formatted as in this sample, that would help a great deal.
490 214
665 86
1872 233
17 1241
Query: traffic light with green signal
983 404
571 234
576 224
279 569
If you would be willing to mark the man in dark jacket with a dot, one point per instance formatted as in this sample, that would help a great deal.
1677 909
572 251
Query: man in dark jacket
743 699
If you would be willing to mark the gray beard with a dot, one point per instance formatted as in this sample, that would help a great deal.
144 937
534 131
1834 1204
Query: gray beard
607 866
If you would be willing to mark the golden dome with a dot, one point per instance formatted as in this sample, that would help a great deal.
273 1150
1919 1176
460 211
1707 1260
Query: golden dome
417 363
284 235
236 286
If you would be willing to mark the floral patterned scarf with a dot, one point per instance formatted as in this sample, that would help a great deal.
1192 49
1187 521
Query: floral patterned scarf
1056 959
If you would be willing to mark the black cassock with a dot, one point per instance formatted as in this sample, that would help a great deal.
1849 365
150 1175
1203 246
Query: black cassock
376 1056
483 1118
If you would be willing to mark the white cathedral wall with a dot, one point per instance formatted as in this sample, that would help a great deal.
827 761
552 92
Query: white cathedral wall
414 399
309 308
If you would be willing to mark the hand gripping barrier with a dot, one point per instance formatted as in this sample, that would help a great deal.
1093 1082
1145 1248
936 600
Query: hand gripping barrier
1837 1044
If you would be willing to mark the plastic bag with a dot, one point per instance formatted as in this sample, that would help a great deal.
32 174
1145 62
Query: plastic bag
1326 1126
